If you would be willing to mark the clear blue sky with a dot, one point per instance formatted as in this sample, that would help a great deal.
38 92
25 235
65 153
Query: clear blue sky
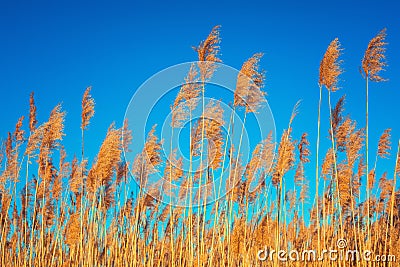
58 48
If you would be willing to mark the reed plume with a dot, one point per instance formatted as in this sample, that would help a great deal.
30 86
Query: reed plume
187 99
236 172
304 151
374 58
76 179
250 80
72 231
372 64
19 132
34 140
371 179
87 108
299 177
152 148
337 115
51 135
106 161
212 122
53 131
126 136
173 172
285 157
327 165
32 113
63 171
208 53
386 187
149 159
261 160
329 69
384 144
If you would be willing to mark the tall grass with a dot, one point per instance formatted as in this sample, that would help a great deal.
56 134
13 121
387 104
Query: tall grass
76 214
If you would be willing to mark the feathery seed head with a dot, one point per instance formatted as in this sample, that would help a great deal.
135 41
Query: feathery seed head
250 80
329 69
374 58
87 108
384 144
208 54
32 113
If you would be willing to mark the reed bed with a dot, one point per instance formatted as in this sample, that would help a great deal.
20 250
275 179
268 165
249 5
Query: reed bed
70 213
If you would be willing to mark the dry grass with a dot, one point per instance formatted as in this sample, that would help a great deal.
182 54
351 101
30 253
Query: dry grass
72 213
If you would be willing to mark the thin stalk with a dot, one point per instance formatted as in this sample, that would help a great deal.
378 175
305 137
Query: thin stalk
201 171
317 164
367 159
230 217
335 161
170 210
392 198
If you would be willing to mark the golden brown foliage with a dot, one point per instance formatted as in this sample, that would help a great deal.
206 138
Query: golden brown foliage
53 129
329 69
384 144
212 122
374 58
371 179
9 147
63 170
100 221
106 161
152 148
19 132
299 177
32 113
398 164
286 151
76 177
126 136
207 52
386 187
337 115
285 157
149 159
304 151
209 48
72 233
187 98
327 165
250 80
261 160
173 172
87 108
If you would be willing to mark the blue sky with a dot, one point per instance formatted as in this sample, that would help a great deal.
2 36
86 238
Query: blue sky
58 48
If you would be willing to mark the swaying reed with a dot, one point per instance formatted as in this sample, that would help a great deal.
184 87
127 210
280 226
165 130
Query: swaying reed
374 58
106 161
208 54
384 144
87 108
32 113
250 80
372 64
187 99
76 211
329 71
